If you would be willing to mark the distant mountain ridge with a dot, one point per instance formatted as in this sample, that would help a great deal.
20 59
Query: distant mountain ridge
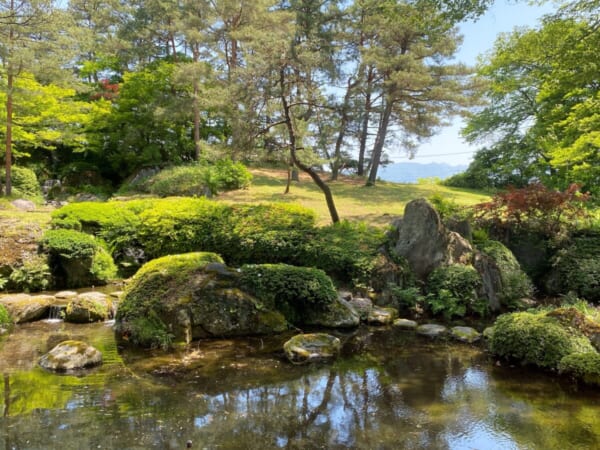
409 172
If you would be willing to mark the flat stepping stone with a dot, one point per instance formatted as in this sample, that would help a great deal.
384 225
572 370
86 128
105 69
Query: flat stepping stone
305 348
465 334
71 355
432 330
382 316
405 324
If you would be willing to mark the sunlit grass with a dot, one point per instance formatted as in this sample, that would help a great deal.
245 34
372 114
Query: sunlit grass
377 204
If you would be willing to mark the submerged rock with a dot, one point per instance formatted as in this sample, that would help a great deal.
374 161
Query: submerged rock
305 348
71 355
432 330
465 334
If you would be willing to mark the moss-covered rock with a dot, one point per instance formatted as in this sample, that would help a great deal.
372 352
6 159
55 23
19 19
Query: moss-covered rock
305 348
78 259
71 355
382 316
88 307
536 338
514 282
582 366
432 330
190 296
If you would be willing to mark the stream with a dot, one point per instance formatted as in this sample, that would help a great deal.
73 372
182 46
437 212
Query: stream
390 389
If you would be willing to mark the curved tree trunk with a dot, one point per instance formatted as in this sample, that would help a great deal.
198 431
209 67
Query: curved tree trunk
335 218
379 143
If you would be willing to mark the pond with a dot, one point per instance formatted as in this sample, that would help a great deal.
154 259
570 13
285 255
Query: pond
389 389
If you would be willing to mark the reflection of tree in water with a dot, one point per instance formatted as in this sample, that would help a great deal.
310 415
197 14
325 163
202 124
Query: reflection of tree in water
394 393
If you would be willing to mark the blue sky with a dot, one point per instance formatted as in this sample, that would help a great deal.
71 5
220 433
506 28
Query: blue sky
479 37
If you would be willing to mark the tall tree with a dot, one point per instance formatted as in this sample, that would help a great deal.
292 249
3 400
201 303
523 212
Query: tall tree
31 36
541 110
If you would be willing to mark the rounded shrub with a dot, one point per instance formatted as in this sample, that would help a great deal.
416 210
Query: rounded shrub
78 259
182 180
536 338
582 366
289 289
228 175
24 182
452 291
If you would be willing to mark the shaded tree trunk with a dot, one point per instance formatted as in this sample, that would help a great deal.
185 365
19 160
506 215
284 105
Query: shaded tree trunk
9 118
364 131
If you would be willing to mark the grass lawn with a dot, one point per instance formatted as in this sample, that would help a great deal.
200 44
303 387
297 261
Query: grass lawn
355 202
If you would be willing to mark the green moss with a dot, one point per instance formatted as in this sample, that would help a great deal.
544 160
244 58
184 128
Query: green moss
289 289
536 338
515 282
69 243
583 366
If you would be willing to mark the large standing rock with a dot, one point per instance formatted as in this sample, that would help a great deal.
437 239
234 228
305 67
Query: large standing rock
304 348
424 241
71 355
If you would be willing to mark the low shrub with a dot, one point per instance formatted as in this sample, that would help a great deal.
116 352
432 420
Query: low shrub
69 244
536 338
200 179
24 182
33 275
582 366
289 289
264 233
452 291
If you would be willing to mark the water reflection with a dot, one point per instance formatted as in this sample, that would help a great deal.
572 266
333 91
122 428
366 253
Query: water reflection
390 390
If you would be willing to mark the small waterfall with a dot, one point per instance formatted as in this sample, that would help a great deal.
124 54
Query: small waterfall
56 313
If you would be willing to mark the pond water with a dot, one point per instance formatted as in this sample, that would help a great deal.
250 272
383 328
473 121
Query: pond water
389 389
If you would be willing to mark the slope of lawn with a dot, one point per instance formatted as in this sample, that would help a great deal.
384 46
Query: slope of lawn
376 204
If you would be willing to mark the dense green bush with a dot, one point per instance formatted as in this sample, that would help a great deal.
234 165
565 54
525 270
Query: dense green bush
264 233
200 179
576 268
346 251
78 259
289 289
452 291
24 182
32 276
536 338
4 316
515 282
583 366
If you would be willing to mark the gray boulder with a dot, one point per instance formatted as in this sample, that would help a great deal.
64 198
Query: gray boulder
405 324
23 205
382 316
305 348
425 242
363 306
71 355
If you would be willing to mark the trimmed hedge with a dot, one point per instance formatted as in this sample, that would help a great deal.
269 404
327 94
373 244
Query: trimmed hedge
264 233
289 289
